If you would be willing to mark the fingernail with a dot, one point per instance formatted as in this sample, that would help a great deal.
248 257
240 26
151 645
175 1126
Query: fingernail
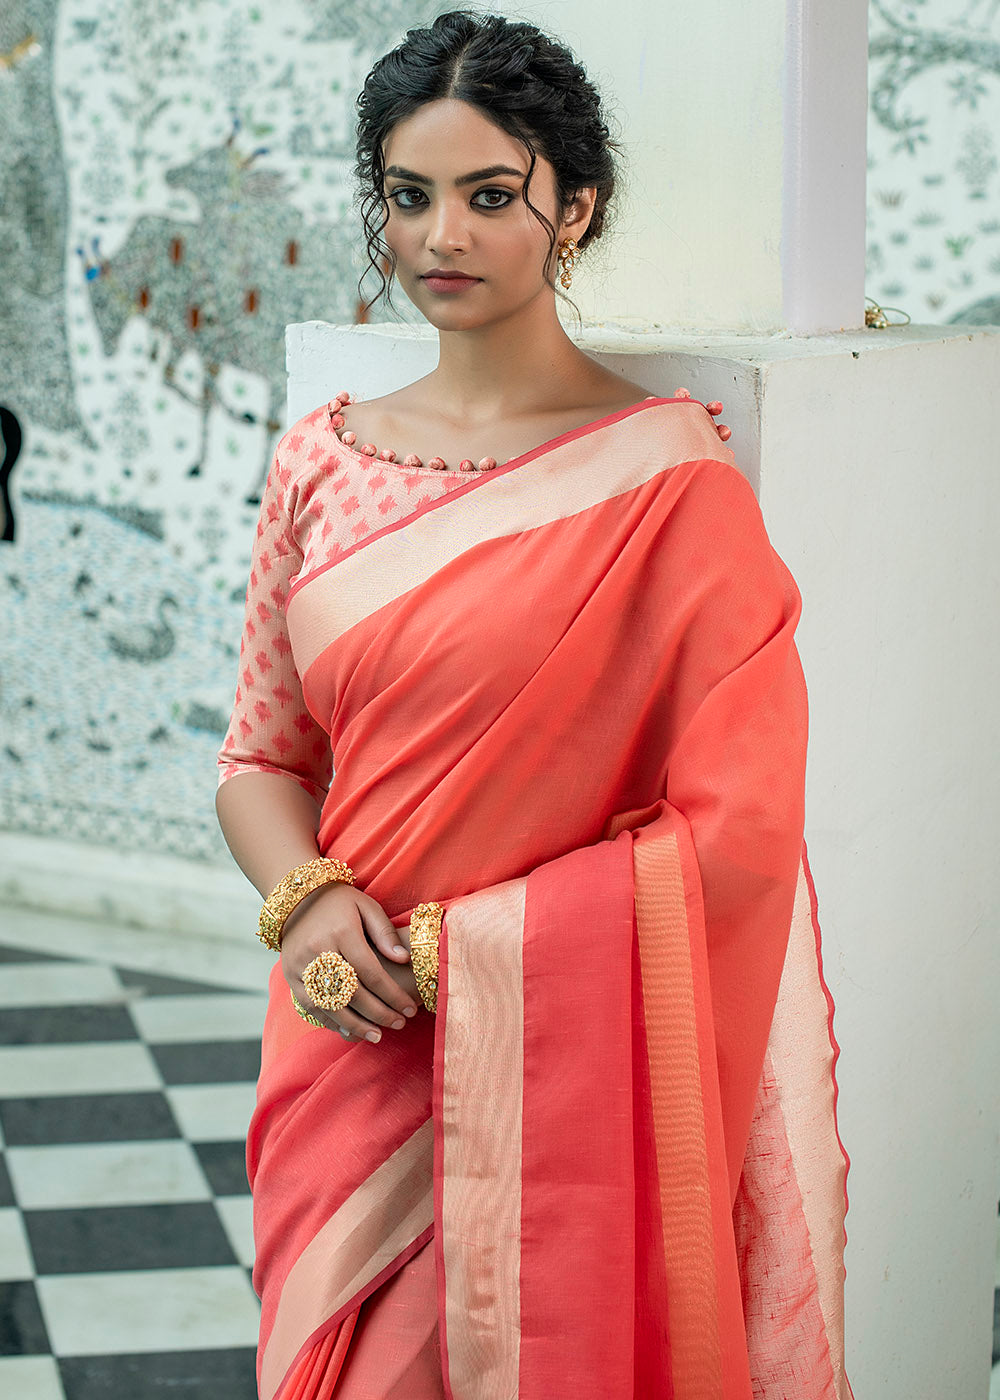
398 1025
399 948
409 1010
373 1036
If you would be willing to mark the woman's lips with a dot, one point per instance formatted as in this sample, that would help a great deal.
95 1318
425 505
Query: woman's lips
450 284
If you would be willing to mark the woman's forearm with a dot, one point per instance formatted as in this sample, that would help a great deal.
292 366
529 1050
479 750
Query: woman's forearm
270 824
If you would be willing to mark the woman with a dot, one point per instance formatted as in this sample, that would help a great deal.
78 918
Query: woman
517 648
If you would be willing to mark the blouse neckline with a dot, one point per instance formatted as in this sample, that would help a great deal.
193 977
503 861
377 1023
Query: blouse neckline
542 449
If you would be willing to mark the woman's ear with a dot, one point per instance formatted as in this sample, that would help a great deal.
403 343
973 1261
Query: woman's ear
577 218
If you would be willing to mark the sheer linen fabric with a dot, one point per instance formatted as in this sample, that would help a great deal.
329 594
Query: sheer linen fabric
562 698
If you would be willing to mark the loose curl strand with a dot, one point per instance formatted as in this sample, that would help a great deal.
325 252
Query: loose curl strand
523 81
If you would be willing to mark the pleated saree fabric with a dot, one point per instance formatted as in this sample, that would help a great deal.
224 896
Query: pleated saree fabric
562 698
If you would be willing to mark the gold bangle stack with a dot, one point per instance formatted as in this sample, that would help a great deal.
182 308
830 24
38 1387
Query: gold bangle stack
299 882
425 934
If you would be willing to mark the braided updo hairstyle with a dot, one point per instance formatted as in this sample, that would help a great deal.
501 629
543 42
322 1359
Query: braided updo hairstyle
523 81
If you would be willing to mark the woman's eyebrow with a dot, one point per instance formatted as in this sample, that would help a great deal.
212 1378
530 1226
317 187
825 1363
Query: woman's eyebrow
487 174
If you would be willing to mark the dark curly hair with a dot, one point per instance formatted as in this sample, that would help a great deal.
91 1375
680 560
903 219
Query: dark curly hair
523 81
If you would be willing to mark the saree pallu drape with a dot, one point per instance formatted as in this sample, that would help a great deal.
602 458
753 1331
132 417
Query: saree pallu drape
565 701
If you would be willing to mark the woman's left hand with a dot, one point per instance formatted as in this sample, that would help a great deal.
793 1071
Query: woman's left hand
401 973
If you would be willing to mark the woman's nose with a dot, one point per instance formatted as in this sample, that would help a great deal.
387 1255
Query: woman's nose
448 231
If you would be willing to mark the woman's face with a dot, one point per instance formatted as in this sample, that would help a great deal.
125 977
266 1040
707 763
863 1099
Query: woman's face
440 219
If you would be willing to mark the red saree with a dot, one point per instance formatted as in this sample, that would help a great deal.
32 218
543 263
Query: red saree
563 699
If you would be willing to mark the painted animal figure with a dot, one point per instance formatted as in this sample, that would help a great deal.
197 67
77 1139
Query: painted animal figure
227 285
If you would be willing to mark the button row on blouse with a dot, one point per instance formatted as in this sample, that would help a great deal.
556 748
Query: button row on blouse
369 449
486 464
714 408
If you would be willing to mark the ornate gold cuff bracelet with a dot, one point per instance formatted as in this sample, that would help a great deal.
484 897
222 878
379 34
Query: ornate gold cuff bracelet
425 932
299 882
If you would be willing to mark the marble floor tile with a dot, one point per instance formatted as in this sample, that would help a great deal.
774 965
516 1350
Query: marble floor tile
225 1165
107 1173
126 1248
54 1025
154 984
75 1069
195 1375
121 1117
210 1112
236 1213
114 1238
140 1312
59 984
214 1062
6 1189
30 1378
15 953
15 1256
22 1327
167 1020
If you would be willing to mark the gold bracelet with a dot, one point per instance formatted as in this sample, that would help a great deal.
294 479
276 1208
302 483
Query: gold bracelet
299 882
307 1015
425 933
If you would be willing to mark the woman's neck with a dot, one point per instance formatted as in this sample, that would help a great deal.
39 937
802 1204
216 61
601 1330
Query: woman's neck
521 365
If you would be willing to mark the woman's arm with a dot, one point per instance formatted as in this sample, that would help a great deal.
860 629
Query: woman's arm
270 824
274 770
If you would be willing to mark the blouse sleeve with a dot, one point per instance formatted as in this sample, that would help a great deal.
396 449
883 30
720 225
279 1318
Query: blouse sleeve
270 728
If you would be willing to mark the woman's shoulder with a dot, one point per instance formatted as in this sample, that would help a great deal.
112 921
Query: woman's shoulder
301 437
306 448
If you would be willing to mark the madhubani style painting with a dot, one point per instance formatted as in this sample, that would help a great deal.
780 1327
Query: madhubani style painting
175 187
933 244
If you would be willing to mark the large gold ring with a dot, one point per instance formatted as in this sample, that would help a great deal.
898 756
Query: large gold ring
331 981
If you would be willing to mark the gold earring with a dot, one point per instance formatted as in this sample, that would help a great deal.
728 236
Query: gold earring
569 252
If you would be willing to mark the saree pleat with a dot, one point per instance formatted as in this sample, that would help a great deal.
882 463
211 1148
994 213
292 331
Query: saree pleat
388 1347
565 702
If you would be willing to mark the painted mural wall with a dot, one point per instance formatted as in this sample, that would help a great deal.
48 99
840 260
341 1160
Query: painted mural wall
174 188
933 245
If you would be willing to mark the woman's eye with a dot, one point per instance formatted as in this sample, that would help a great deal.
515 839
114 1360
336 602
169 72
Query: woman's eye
403 198
400 204
505 196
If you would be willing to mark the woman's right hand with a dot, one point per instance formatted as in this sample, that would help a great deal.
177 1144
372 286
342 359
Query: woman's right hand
341 919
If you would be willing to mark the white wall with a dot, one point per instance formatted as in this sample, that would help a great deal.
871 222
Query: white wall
880 483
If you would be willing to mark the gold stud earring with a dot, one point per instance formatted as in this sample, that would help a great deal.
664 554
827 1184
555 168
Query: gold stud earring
569 253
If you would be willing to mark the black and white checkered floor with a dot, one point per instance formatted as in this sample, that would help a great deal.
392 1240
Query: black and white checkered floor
128 1063
127 1070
